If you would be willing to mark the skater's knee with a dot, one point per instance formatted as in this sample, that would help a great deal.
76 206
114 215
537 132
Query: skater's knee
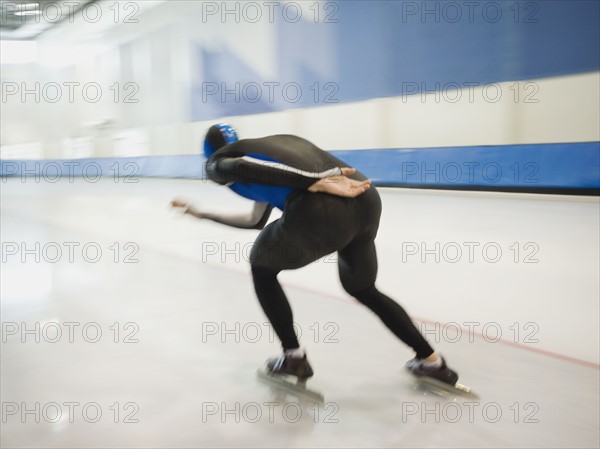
258 256
260 271
364 295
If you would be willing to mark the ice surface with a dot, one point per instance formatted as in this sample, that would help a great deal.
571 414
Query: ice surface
190 334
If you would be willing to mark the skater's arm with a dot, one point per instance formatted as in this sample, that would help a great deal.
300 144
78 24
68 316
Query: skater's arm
245 169
224 169
341 185
256 219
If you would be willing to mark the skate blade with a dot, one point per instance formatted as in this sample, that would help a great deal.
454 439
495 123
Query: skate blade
444 389
289 384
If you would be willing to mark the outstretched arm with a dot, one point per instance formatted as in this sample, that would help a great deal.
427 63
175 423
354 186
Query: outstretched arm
256 219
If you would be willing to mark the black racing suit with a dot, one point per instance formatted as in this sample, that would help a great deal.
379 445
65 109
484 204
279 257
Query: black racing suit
278 170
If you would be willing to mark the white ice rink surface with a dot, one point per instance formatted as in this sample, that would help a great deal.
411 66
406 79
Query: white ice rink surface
190 334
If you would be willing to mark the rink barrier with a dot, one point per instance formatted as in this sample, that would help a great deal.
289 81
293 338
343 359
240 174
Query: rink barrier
565 168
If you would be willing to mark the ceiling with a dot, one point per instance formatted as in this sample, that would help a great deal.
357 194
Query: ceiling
27 19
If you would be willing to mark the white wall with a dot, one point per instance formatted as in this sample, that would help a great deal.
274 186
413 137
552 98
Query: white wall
156 54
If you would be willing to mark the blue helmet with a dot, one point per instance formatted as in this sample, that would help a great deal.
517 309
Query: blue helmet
218 136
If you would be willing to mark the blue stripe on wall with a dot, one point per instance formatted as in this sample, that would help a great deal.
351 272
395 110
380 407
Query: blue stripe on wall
569 165
525 167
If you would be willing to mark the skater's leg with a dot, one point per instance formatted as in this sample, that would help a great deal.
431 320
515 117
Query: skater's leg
271 254
286 244
277 309
357 265
275 305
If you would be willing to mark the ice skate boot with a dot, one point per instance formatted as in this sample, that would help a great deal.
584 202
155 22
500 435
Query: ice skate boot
291 374
442 373
438 376
293 366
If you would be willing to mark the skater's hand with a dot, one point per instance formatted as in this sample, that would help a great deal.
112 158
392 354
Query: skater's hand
183 206
179 204
341 185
